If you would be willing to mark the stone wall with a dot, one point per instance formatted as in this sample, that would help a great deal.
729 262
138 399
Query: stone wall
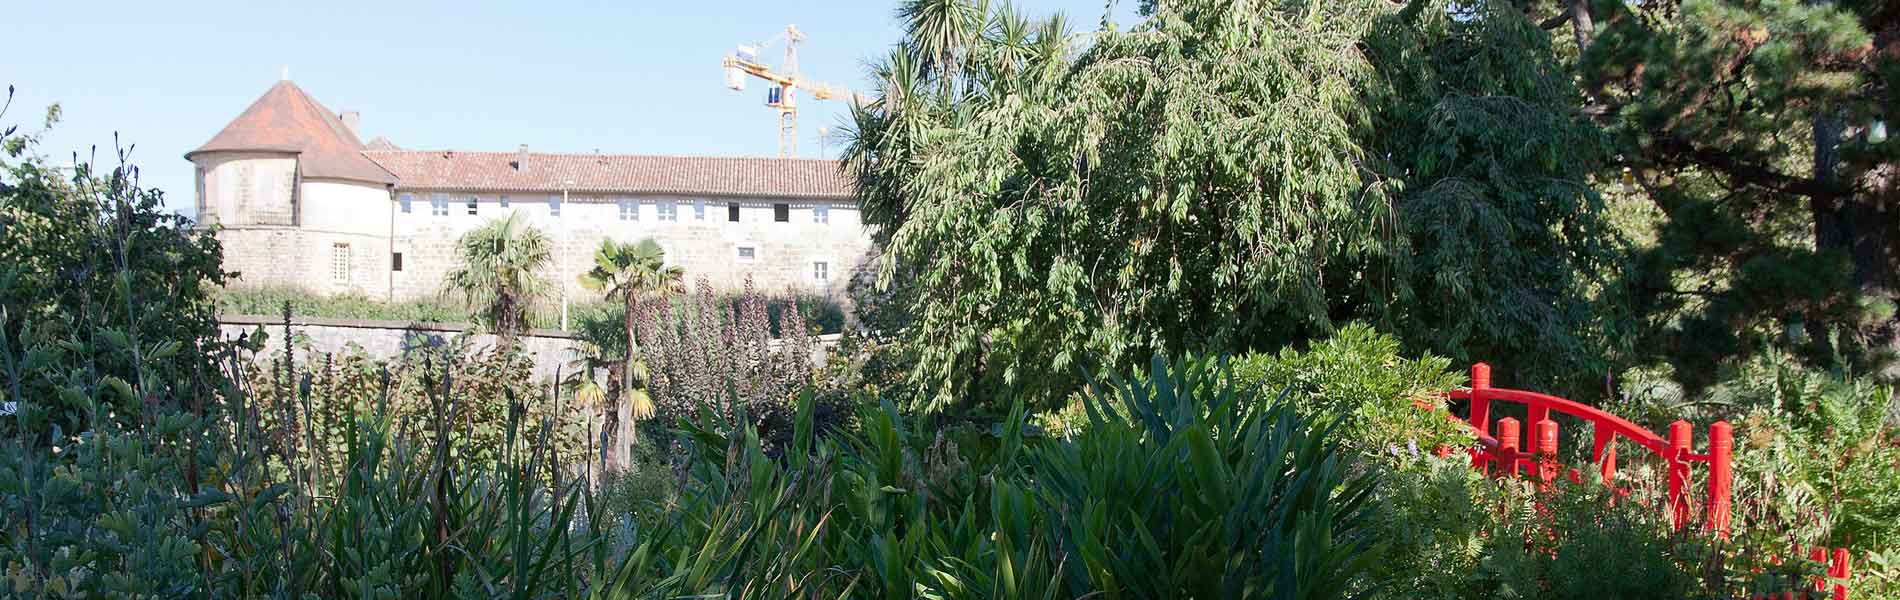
696 232
388 340
324 262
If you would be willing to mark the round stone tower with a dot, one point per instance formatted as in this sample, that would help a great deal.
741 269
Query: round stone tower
296 202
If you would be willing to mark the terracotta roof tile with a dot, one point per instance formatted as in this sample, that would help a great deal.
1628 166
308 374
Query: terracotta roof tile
285 119
615 174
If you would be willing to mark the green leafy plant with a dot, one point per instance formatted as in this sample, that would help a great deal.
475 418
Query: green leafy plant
499 274
1222 177
629 273
1387 404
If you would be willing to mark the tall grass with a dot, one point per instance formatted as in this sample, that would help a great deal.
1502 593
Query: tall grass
1210 491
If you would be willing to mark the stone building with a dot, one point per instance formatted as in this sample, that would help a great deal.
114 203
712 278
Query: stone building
300 201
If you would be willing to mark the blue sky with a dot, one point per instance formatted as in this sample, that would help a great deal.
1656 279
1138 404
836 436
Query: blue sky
559 75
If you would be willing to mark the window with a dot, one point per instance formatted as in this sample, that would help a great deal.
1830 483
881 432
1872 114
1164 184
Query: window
554 206
504 201
821 272
782 213
732 212
471 204
340 262
821 213
395 261
699 210
748 253
439 205
669 211
406 200
629 210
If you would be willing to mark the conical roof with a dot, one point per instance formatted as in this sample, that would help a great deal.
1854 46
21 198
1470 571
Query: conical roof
285 119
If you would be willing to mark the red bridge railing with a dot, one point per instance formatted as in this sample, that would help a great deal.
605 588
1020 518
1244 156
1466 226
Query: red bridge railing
1501 450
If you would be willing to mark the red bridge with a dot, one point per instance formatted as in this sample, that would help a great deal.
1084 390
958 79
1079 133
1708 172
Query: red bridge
1503 453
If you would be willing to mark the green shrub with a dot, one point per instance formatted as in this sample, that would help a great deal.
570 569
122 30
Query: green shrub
107 362
1359 377
270 301
1451 532
643 492
1817 454
1186 485
1183 487
307 400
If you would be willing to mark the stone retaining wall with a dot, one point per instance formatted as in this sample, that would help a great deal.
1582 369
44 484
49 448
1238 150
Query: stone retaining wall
550 349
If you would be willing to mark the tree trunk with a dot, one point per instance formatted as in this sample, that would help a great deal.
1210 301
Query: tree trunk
1862 225
610 456
619 411
1873 242
1581 25
623 438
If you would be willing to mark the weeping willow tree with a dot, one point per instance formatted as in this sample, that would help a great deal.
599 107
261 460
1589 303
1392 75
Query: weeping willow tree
1227 175
1510 257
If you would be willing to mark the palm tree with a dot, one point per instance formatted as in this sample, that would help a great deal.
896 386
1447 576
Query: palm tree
940 32
628 272
583 383
500 274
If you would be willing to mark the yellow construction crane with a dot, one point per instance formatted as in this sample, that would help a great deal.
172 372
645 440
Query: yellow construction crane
785 81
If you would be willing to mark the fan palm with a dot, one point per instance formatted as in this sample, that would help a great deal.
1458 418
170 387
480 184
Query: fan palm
629 271
500 274
940 32
583 382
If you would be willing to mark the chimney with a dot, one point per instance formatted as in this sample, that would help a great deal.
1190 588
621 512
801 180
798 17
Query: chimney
521 158
354 121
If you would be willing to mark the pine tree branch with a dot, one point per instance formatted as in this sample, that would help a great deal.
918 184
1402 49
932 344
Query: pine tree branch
1556 21
1678 152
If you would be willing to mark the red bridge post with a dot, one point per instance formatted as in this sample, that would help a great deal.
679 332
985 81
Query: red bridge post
1509 436
1839 569
1603 450
1721 475
1480 410
1547 463
1681 439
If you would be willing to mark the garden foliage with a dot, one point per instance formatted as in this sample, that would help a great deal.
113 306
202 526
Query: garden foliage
704 353
1350 197
1227 176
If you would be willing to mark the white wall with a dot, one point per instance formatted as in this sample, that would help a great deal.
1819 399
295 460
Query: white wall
784 252
345 207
